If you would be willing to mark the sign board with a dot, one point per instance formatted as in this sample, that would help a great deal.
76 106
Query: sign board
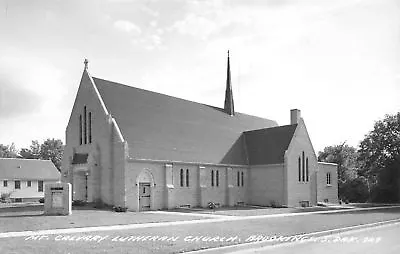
58 199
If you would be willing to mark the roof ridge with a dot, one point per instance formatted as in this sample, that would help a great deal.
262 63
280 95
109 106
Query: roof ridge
274 127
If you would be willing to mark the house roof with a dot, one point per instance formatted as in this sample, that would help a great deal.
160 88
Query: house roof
268 145
161 127
12 168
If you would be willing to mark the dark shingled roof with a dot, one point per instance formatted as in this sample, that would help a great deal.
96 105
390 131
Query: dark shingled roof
161 127
11 168
268 146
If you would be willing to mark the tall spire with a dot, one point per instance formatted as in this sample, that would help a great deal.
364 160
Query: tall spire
229 108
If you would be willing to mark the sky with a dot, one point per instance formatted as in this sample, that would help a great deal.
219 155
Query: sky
337 61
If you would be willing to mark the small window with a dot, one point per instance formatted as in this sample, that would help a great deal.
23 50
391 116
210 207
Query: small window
187 177
242 178
29 183
80 129
212 177
238 178
217 177
90 127
40 186
17 184
328 178
303 178
5 183
85 125
18 200
181 178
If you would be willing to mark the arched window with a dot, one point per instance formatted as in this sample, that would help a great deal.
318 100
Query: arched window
212 177
299 169
187 177
304 169
328 178
242 178
238 178
307 174
181 178
217 177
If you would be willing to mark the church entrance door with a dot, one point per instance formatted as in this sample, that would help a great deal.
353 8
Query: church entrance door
144 196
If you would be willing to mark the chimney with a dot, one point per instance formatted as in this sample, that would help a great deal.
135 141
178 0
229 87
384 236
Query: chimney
295 116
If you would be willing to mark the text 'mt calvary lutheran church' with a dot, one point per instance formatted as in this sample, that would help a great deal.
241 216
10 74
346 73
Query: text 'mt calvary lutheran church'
143 150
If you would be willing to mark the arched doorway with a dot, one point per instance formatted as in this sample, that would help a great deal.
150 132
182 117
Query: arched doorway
145 184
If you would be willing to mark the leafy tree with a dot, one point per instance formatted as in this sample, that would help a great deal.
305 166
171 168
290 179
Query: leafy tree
346 158
8 151
31 153
379 157
52 149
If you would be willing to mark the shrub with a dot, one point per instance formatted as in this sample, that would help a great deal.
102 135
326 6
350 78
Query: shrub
78 203
5 197
41 200
120 209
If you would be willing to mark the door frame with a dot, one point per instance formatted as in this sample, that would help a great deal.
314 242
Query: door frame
145 177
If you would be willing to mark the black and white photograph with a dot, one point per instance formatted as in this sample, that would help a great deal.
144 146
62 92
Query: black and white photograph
199 126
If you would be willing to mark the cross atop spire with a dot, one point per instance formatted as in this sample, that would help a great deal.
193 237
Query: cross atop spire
86 62
229 106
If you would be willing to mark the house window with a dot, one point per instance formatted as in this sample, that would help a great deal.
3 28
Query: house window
242 179
85 125
238 178
90 127
303 168
181 177
17 184
217 177
328 178
29 183
80 129
299 169
307 176
5 183
40 186
187 177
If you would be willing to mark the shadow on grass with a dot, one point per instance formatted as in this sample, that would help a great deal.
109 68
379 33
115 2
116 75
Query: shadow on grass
22 215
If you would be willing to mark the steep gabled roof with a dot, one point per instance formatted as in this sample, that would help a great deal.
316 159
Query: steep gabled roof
268 145
12 168
161 127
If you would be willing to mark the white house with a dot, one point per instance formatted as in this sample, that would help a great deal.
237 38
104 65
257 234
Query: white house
24 179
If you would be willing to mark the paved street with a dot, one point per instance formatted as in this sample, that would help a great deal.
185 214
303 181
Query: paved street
173 237
380 239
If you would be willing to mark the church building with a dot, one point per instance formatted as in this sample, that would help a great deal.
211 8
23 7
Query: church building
144 150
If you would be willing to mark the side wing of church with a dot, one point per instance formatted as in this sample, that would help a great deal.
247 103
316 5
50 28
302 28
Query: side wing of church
143 150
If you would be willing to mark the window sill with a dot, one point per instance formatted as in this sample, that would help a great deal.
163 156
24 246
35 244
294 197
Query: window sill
329 185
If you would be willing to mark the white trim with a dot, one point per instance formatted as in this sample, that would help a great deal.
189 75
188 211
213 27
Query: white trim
117 129
97 93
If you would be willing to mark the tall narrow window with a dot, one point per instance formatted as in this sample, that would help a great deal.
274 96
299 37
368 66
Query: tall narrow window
85 125
238 178
28 183
303 172
90 127
242 179
5 183
40 186
181 178
17 184
299 169
80 129
187 177
212 177
217 177
328 178
307 176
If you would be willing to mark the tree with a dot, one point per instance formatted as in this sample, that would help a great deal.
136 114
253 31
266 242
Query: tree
8 151
31 153
52 149
348 179
380 159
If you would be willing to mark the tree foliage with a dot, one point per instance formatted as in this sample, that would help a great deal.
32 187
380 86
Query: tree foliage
50 149
379 157
8 151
